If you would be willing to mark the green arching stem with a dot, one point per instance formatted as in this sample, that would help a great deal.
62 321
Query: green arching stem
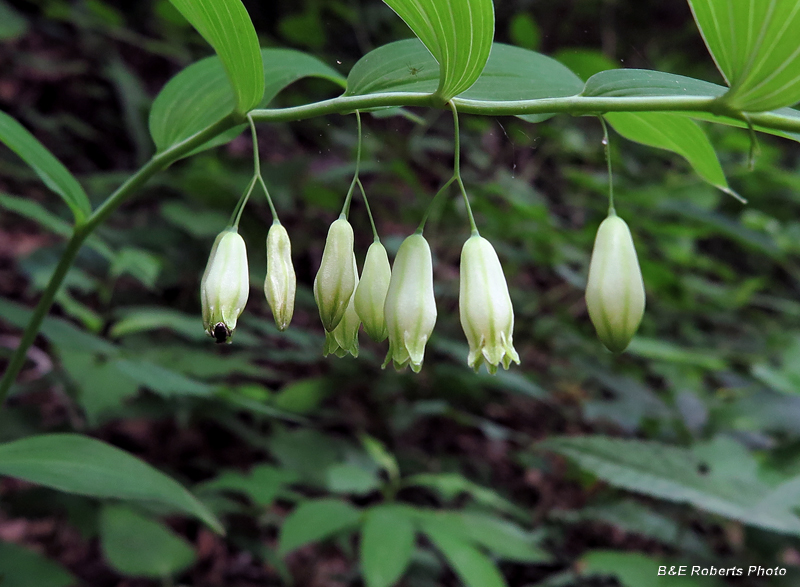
754 150
257 168
346 206
575 105
457 168
375 236
82 231
607 145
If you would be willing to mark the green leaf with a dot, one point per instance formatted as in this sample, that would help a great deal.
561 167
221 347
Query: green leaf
513 73
674 133
661 350
49 169
402 66
754 45
503 539
20 567
138 546
387 543
350 478
633 83
473 567
316 520
262 484
678 475
83 465
161 380
12 24
458 35
227 27
584 62
200 95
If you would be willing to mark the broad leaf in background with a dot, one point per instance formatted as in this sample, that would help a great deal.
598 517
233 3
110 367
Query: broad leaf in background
49 169
458 34
681 475
12 24
227 27
83 465
402 66
674 133
20 567
138 546
316 520
200 95
754 45
473 567
262 484
513 73
634 83
387 543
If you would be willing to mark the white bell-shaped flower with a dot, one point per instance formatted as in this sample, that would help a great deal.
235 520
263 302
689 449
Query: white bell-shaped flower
410 307
344 338
370 295
336 278
281 283
225 285
484 303
615 291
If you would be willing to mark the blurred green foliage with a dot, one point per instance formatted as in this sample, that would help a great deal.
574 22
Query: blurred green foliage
293 450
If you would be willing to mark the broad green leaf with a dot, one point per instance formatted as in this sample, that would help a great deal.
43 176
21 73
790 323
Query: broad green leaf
21 567
316 520
452 485
511 73
49 169
83 465
458 34
661 350
350 478
502 538
634 83
754 45
161 380
633 569
136 320
387 543
678 475
584 62
674 133
138 546
262 484
402 66
302 396
227 27
473 567
200 95
12 24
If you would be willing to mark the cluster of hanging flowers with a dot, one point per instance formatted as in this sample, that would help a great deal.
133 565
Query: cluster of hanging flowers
397 301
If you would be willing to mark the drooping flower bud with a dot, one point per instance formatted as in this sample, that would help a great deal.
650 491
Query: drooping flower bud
410 307
281 282
615 290
225 285
344 338
484 304
371 291
336 278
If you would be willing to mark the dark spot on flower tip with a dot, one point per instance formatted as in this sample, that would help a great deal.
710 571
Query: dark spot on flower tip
221 333
703 469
